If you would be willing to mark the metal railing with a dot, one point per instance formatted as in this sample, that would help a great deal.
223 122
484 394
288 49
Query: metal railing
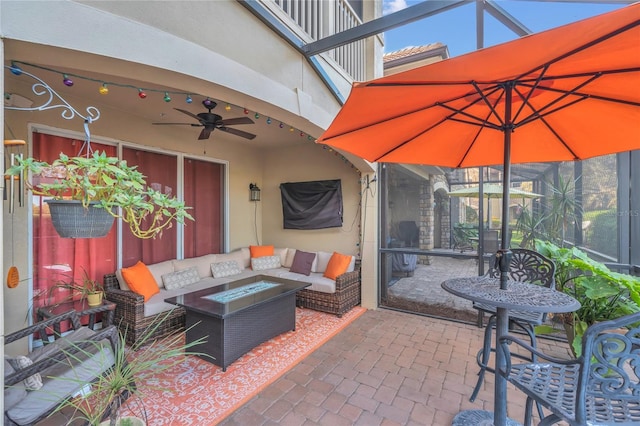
322 18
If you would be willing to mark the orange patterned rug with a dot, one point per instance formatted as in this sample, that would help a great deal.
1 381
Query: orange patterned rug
197 392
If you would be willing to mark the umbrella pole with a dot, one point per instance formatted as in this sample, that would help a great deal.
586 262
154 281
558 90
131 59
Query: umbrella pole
504 258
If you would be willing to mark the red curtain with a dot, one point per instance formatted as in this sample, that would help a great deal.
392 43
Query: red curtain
161 171
57 258
203 183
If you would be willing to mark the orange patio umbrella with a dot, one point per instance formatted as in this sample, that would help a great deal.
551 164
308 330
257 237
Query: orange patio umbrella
569 93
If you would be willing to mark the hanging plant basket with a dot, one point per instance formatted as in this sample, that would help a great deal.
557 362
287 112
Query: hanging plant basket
72 220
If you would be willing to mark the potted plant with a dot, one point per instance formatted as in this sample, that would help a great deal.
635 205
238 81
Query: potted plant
603 294
89 289
98 185
146 358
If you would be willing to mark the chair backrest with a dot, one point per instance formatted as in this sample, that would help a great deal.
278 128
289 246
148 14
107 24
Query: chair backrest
490 241
610 371
527 266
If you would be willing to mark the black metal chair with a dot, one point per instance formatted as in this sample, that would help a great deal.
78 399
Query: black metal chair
601 387
525 266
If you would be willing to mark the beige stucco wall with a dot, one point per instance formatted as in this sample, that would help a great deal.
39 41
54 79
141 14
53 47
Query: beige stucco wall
195 47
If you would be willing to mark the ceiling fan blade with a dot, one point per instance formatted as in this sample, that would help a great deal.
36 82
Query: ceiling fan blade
237 132
178 124
204 134
235 121
190 114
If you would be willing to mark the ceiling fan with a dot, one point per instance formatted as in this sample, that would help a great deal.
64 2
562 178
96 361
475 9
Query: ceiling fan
211 122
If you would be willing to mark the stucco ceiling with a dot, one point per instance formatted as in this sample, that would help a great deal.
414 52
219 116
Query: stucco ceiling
123 96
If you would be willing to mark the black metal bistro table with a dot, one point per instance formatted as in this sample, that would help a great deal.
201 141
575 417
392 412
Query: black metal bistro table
517 295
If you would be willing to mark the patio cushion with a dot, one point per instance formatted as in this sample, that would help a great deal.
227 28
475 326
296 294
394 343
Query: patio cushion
265 262
159 269
15 393
288 261
203 263
259 251
179 279
33 382
225 269
321 261
302 262
140 280
338 265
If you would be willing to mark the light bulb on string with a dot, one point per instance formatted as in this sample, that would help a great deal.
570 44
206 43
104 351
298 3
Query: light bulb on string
227 107
66 80
268 120
246 111
141 94
291 129
257 116
208 103
281 125
189 99
15 70
301 134
104 90
167 98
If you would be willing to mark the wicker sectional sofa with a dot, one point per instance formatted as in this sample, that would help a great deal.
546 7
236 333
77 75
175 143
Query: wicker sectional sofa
135 315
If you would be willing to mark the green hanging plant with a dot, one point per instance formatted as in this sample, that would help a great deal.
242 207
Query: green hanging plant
107 183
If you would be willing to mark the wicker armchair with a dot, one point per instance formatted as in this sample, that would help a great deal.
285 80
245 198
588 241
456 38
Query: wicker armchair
129 315
602 387
62 366
346 296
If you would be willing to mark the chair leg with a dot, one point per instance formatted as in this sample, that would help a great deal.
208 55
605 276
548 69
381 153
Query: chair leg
483 356
528 328
527 411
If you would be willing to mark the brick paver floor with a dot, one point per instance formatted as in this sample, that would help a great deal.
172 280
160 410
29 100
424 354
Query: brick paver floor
386 368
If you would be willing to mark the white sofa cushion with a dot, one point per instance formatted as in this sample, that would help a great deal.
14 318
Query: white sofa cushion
282 252
321 261
160 269
265 262
179 279
243 259
203 263
288 261
226 269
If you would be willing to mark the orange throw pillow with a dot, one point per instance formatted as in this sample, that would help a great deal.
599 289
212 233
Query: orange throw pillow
140 280
260 251
338 265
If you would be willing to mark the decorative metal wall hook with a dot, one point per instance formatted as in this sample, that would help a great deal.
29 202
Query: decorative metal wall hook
53 100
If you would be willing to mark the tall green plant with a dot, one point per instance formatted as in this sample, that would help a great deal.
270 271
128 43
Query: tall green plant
144 359
531 227
563 209
603 294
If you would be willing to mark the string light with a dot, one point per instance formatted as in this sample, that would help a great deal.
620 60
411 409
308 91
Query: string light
66 80
15 70
208 103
